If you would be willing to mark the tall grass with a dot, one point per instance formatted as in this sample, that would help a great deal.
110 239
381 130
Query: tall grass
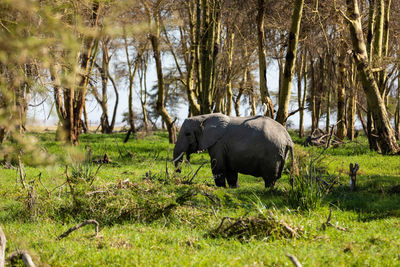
311 183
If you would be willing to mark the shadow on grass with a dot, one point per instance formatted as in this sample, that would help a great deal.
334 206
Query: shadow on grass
374 199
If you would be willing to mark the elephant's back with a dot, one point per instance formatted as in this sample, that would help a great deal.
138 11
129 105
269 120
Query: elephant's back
255 144
260 127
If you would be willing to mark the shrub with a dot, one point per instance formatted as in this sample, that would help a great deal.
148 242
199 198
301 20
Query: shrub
311 183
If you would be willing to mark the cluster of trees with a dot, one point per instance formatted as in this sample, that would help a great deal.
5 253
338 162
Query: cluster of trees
343 55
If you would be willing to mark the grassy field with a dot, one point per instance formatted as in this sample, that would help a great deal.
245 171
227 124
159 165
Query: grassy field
149 215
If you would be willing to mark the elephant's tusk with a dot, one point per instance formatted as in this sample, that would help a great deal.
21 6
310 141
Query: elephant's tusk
178 158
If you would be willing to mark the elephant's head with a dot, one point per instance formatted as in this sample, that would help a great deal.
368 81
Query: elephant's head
199 133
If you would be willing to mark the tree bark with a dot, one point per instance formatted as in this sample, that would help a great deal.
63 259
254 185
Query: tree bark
143 90
341 95
194 106
386 138
371 25
262 64
154 38
285 90
397 123
208 52
314 117
378 44
351 111
302 100
229 93
74 97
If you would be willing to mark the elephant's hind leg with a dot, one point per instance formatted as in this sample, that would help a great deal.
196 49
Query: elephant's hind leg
232 178
269 181
273 174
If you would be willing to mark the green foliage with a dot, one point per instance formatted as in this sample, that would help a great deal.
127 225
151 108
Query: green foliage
149 217
312 182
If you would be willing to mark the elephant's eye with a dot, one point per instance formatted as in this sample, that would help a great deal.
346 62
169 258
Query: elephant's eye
187 134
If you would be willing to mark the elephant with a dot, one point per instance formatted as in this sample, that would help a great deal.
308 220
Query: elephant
256 145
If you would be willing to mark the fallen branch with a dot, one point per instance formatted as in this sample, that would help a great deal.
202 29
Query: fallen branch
21 254
21 172
328 223
8 165
40 181
194 175
294 260
76 227
3 242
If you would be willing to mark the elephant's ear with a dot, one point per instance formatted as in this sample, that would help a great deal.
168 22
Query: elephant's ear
213 129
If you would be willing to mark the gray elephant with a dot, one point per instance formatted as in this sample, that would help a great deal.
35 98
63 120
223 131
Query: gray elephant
256 146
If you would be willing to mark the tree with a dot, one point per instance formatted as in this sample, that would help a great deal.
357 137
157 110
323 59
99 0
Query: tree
386 139
341 95
107 126
70 98
155 42
265 97
284 90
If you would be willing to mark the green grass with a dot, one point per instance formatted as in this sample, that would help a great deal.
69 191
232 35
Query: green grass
182 237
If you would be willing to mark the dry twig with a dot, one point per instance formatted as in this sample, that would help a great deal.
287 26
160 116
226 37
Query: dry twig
328 223
21 172
194 175
70 230
294 260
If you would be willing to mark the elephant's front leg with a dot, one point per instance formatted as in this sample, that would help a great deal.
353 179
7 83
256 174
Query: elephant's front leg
218 172
218 166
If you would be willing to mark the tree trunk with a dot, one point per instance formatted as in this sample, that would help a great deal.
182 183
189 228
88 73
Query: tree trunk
386 138
351 111
242 85
252 102
208 41
382 83
378 44
262 64
229 93
397 127
314 117
328 109
132 69
285 90
86 121
74 98
143 91
371 25
300 73
194 106
341 95
154 38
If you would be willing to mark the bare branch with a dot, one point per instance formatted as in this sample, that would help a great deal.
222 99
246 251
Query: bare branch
190 181
294 260
76 227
